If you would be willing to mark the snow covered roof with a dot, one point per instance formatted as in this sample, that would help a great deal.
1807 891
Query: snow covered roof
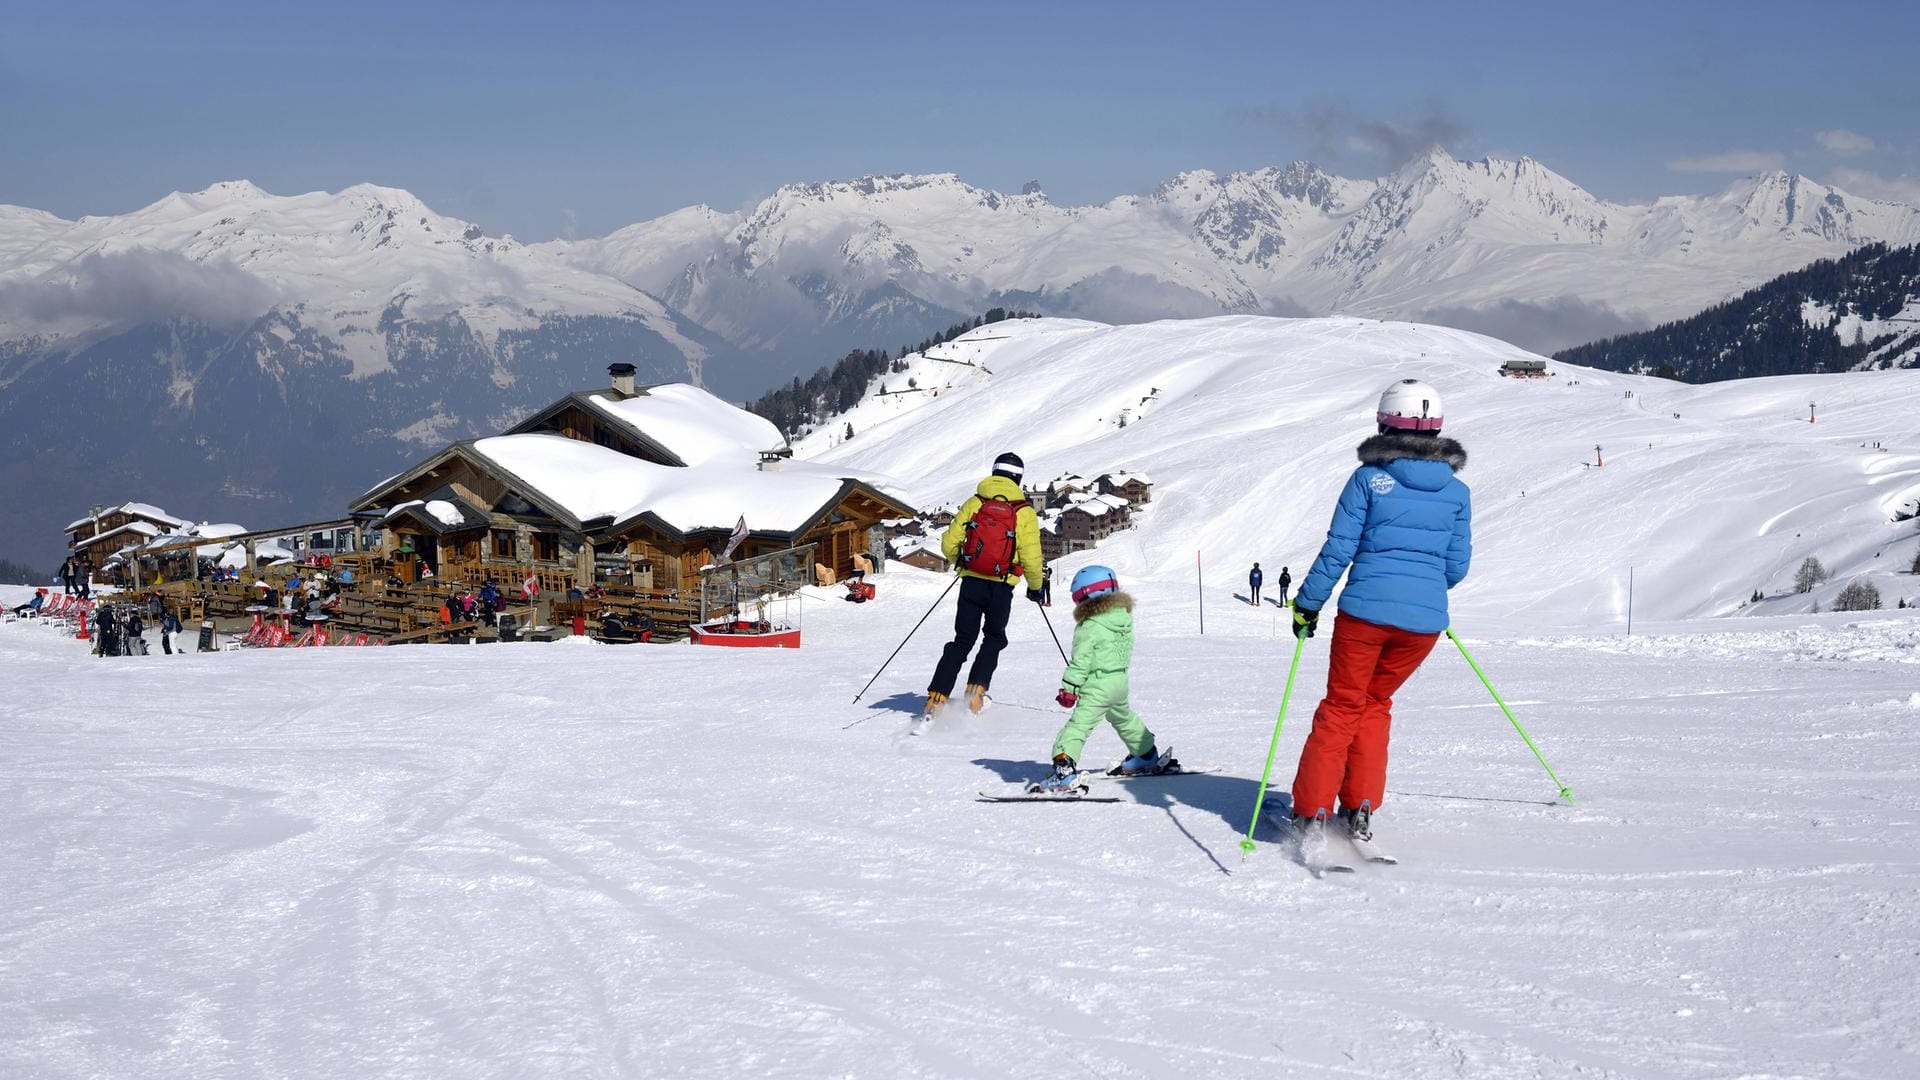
690 423
1098 505
131 528
591 482
904 546
135 509
445 512
1121 479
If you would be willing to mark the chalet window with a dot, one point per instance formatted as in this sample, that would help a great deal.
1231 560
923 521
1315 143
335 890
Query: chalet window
546 547
503 547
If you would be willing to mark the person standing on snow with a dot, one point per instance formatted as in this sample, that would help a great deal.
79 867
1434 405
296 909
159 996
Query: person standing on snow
1404 525
994 542
1284 581
1253 585
169 629
1094 685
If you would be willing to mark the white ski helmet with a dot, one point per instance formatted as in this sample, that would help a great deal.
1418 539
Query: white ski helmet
1410 405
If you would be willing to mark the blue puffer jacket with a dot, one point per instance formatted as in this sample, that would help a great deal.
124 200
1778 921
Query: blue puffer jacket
1404 523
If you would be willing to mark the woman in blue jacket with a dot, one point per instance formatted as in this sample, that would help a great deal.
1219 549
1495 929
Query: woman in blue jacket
1404 526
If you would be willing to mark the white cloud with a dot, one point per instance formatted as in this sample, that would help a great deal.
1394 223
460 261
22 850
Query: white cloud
1905 189
1730 161
1842 141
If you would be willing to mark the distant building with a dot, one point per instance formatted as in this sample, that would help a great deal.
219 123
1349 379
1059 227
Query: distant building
627 485
920 551
1135 488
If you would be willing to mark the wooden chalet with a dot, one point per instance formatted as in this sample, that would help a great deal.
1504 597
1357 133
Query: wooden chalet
626 486
1135 488
921 551
1065 488
1084 522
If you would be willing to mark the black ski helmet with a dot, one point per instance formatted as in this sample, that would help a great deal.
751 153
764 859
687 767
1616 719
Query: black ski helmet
1010 466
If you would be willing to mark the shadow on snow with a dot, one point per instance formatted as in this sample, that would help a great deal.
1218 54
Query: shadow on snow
1230 798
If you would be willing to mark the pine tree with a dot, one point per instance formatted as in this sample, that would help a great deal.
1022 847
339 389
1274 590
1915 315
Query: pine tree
849 430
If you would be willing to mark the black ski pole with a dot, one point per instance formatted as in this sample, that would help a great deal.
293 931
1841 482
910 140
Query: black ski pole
1056 637
904 640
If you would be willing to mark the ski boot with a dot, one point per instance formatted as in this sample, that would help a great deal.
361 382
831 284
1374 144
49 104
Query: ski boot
1359 821
976 698
1310 840
1064 779
931 712
1150 763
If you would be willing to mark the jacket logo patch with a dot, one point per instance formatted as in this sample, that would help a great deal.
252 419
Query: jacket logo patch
1381 483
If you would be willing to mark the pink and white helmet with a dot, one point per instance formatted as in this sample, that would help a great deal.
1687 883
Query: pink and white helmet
1410 405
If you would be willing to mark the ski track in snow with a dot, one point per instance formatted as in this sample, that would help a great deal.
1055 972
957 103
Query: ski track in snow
528 860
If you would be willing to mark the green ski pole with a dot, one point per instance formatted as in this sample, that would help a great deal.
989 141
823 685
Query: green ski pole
1565 791
1246 842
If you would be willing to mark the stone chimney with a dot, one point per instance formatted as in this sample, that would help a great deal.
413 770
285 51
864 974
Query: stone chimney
622 379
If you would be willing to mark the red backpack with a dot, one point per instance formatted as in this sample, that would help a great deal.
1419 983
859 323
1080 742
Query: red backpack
989 548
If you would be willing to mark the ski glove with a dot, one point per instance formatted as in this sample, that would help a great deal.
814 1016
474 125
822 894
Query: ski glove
1067 699
1036 596
1305 621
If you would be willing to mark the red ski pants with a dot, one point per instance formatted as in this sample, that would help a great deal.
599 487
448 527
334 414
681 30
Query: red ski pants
1346 754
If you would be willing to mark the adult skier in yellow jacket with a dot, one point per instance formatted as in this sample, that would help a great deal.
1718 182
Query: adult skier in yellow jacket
994 542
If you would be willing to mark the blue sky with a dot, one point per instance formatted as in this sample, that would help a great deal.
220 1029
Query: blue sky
544 119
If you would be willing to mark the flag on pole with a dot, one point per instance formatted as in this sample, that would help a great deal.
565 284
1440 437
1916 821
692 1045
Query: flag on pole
733 540
530 588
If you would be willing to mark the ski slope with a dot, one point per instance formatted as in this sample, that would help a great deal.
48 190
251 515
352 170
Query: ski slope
574 860
1247 426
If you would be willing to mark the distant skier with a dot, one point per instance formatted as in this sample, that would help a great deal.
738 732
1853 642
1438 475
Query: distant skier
994 541
1404 524
1284 581
169 628
1094 685
1253 585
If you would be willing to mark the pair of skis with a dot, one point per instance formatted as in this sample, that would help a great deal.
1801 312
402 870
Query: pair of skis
1082 790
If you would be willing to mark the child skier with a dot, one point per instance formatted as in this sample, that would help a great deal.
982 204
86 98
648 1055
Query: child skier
1094 685
1404 524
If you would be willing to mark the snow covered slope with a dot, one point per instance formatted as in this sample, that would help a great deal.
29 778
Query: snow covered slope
1248 425
1502 245
569 860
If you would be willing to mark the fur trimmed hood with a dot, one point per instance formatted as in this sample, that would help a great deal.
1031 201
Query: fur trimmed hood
1380 450
1087 609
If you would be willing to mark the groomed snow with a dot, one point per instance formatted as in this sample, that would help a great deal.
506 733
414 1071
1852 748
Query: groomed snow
573 860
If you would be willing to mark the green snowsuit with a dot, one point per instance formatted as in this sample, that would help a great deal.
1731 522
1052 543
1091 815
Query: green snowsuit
1102 649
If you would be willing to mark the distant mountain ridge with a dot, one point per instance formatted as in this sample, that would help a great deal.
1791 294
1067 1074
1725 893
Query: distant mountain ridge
277 350
1508 247
1860 312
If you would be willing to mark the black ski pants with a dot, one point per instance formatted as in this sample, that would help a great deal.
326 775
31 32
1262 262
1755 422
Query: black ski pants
983 604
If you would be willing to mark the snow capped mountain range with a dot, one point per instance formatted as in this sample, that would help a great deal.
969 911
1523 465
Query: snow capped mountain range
1493 245
284 348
